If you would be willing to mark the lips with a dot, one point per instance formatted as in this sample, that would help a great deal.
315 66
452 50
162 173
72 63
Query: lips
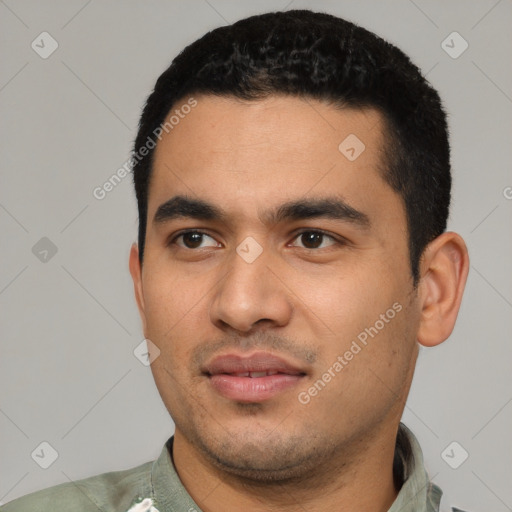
253 378
255 375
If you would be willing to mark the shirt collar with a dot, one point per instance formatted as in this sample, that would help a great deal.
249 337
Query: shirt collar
418 493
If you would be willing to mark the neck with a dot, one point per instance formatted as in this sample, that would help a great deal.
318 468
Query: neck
359 476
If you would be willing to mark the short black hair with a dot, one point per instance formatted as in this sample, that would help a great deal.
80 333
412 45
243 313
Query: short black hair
308 54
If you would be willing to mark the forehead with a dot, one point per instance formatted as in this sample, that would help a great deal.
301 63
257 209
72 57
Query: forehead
241 153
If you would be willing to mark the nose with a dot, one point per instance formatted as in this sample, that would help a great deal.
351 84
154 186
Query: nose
250 293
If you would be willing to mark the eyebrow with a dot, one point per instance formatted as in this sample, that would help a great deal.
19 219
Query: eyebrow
327 208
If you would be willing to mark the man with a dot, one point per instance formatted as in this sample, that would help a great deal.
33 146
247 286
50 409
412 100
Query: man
293 183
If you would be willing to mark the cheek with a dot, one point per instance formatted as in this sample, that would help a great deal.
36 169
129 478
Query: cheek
369 324
172 300
350 297
175 317
366 369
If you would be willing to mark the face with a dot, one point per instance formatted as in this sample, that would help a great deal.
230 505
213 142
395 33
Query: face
276 284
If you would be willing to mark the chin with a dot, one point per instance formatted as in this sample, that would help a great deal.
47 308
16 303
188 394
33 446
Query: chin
264 471
262 458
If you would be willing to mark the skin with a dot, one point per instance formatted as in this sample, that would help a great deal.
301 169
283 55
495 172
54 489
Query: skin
306 304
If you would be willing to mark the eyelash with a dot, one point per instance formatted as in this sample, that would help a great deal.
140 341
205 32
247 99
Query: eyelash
336 239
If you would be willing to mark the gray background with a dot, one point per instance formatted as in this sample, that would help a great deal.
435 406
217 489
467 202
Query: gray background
69 325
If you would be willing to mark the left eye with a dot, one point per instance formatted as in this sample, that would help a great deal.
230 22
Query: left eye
194 240
314 240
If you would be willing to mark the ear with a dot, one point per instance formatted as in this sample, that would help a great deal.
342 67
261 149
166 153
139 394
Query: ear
136 273
444 269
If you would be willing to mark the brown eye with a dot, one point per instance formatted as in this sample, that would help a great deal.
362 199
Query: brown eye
315 240
195 240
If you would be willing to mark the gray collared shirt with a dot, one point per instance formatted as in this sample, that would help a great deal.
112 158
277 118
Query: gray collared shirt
156 487
418 493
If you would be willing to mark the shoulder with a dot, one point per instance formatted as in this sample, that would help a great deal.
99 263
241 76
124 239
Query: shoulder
109 492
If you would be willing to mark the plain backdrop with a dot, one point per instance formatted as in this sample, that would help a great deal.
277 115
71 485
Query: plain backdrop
68 373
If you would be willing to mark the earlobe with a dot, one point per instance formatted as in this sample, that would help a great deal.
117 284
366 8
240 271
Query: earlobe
444 269
136 273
